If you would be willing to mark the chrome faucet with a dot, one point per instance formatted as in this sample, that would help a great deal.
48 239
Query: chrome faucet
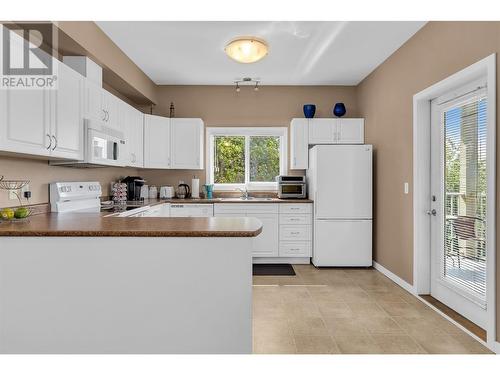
244 193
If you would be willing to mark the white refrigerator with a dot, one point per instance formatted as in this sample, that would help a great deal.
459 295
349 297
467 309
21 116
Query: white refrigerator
340 183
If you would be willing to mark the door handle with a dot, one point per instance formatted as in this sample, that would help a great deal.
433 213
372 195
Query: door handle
55 141
432 212
50 142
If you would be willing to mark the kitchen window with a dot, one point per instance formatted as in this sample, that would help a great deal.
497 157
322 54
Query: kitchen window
246 157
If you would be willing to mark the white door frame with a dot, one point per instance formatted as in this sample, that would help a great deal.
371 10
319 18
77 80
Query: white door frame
422 180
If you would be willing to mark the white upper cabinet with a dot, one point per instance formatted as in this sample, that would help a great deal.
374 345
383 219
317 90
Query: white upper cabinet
299 143
94 109
187 143
173 143
351 131
156 142
321 131
45 122
329 131
102 106
132 121
111 106
67 125
25 121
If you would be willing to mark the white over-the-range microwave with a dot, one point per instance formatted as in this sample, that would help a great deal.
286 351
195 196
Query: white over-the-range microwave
104 146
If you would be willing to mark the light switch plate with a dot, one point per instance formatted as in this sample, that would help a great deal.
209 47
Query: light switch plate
406 187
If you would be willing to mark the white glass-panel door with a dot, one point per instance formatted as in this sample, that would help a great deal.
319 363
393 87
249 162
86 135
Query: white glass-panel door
458 201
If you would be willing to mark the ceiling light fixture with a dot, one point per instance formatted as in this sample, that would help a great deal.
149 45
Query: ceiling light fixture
247 50
247 81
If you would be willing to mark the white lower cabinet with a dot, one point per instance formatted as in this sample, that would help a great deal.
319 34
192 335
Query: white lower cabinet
295 230
265 244
286 232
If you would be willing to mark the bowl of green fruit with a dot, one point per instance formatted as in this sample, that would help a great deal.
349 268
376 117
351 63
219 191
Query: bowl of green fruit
15 214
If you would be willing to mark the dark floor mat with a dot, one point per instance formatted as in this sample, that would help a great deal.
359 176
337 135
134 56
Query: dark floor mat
273 270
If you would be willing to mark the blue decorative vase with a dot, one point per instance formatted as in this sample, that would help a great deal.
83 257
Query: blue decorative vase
309 110
339 109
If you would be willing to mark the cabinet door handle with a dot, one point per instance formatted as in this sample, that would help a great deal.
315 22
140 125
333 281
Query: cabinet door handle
104 113
55 142
292 219
294 232
107 116
50 142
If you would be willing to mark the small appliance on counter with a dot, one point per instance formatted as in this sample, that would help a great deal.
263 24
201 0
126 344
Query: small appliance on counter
75 197
291 187
183 190
153 192
167 192
144 194
134 185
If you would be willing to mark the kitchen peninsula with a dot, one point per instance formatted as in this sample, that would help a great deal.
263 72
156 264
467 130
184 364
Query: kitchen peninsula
85 283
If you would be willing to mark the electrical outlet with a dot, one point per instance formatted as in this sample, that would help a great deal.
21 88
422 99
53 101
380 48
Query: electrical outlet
12 193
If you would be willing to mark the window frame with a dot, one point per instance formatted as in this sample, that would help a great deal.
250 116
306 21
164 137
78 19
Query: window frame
247 132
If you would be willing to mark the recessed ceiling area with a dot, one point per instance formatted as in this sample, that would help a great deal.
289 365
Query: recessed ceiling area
300 53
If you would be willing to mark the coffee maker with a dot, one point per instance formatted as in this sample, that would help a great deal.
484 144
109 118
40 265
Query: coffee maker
134 184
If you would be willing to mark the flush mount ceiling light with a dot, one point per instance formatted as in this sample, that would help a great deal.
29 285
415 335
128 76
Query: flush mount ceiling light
246 50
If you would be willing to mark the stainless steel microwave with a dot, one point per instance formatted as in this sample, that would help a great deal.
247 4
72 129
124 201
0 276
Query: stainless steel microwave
292 187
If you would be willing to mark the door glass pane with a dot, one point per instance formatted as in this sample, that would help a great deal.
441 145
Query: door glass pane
229 160
464 258
264 159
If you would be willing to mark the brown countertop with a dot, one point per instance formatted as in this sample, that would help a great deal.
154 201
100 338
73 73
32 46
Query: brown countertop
96 225
220 200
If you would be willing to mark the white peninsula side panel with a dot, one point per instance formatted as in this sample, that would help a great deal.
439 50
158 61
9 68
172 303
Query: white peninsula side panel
125 295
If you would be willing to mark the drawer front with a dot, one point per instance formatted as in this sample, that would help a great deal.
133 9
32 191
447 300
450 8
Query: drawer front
299 208
295 219
295 249
246 208
295 232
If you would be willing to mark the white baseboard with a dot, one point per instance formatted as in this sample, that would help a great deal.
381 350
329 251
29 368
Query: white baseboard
398 280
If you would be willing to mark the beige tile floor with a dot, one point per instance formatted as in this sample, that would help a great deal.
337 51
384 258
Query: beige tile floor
343 311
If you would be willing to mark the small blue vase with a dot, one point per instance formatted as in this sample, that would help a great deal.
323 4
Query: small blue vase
339 110
309 110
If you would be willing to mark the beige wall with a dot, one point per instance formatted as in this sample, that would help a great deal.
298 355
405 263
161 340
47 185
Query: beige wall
385 99
223 106
41 174
85 37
